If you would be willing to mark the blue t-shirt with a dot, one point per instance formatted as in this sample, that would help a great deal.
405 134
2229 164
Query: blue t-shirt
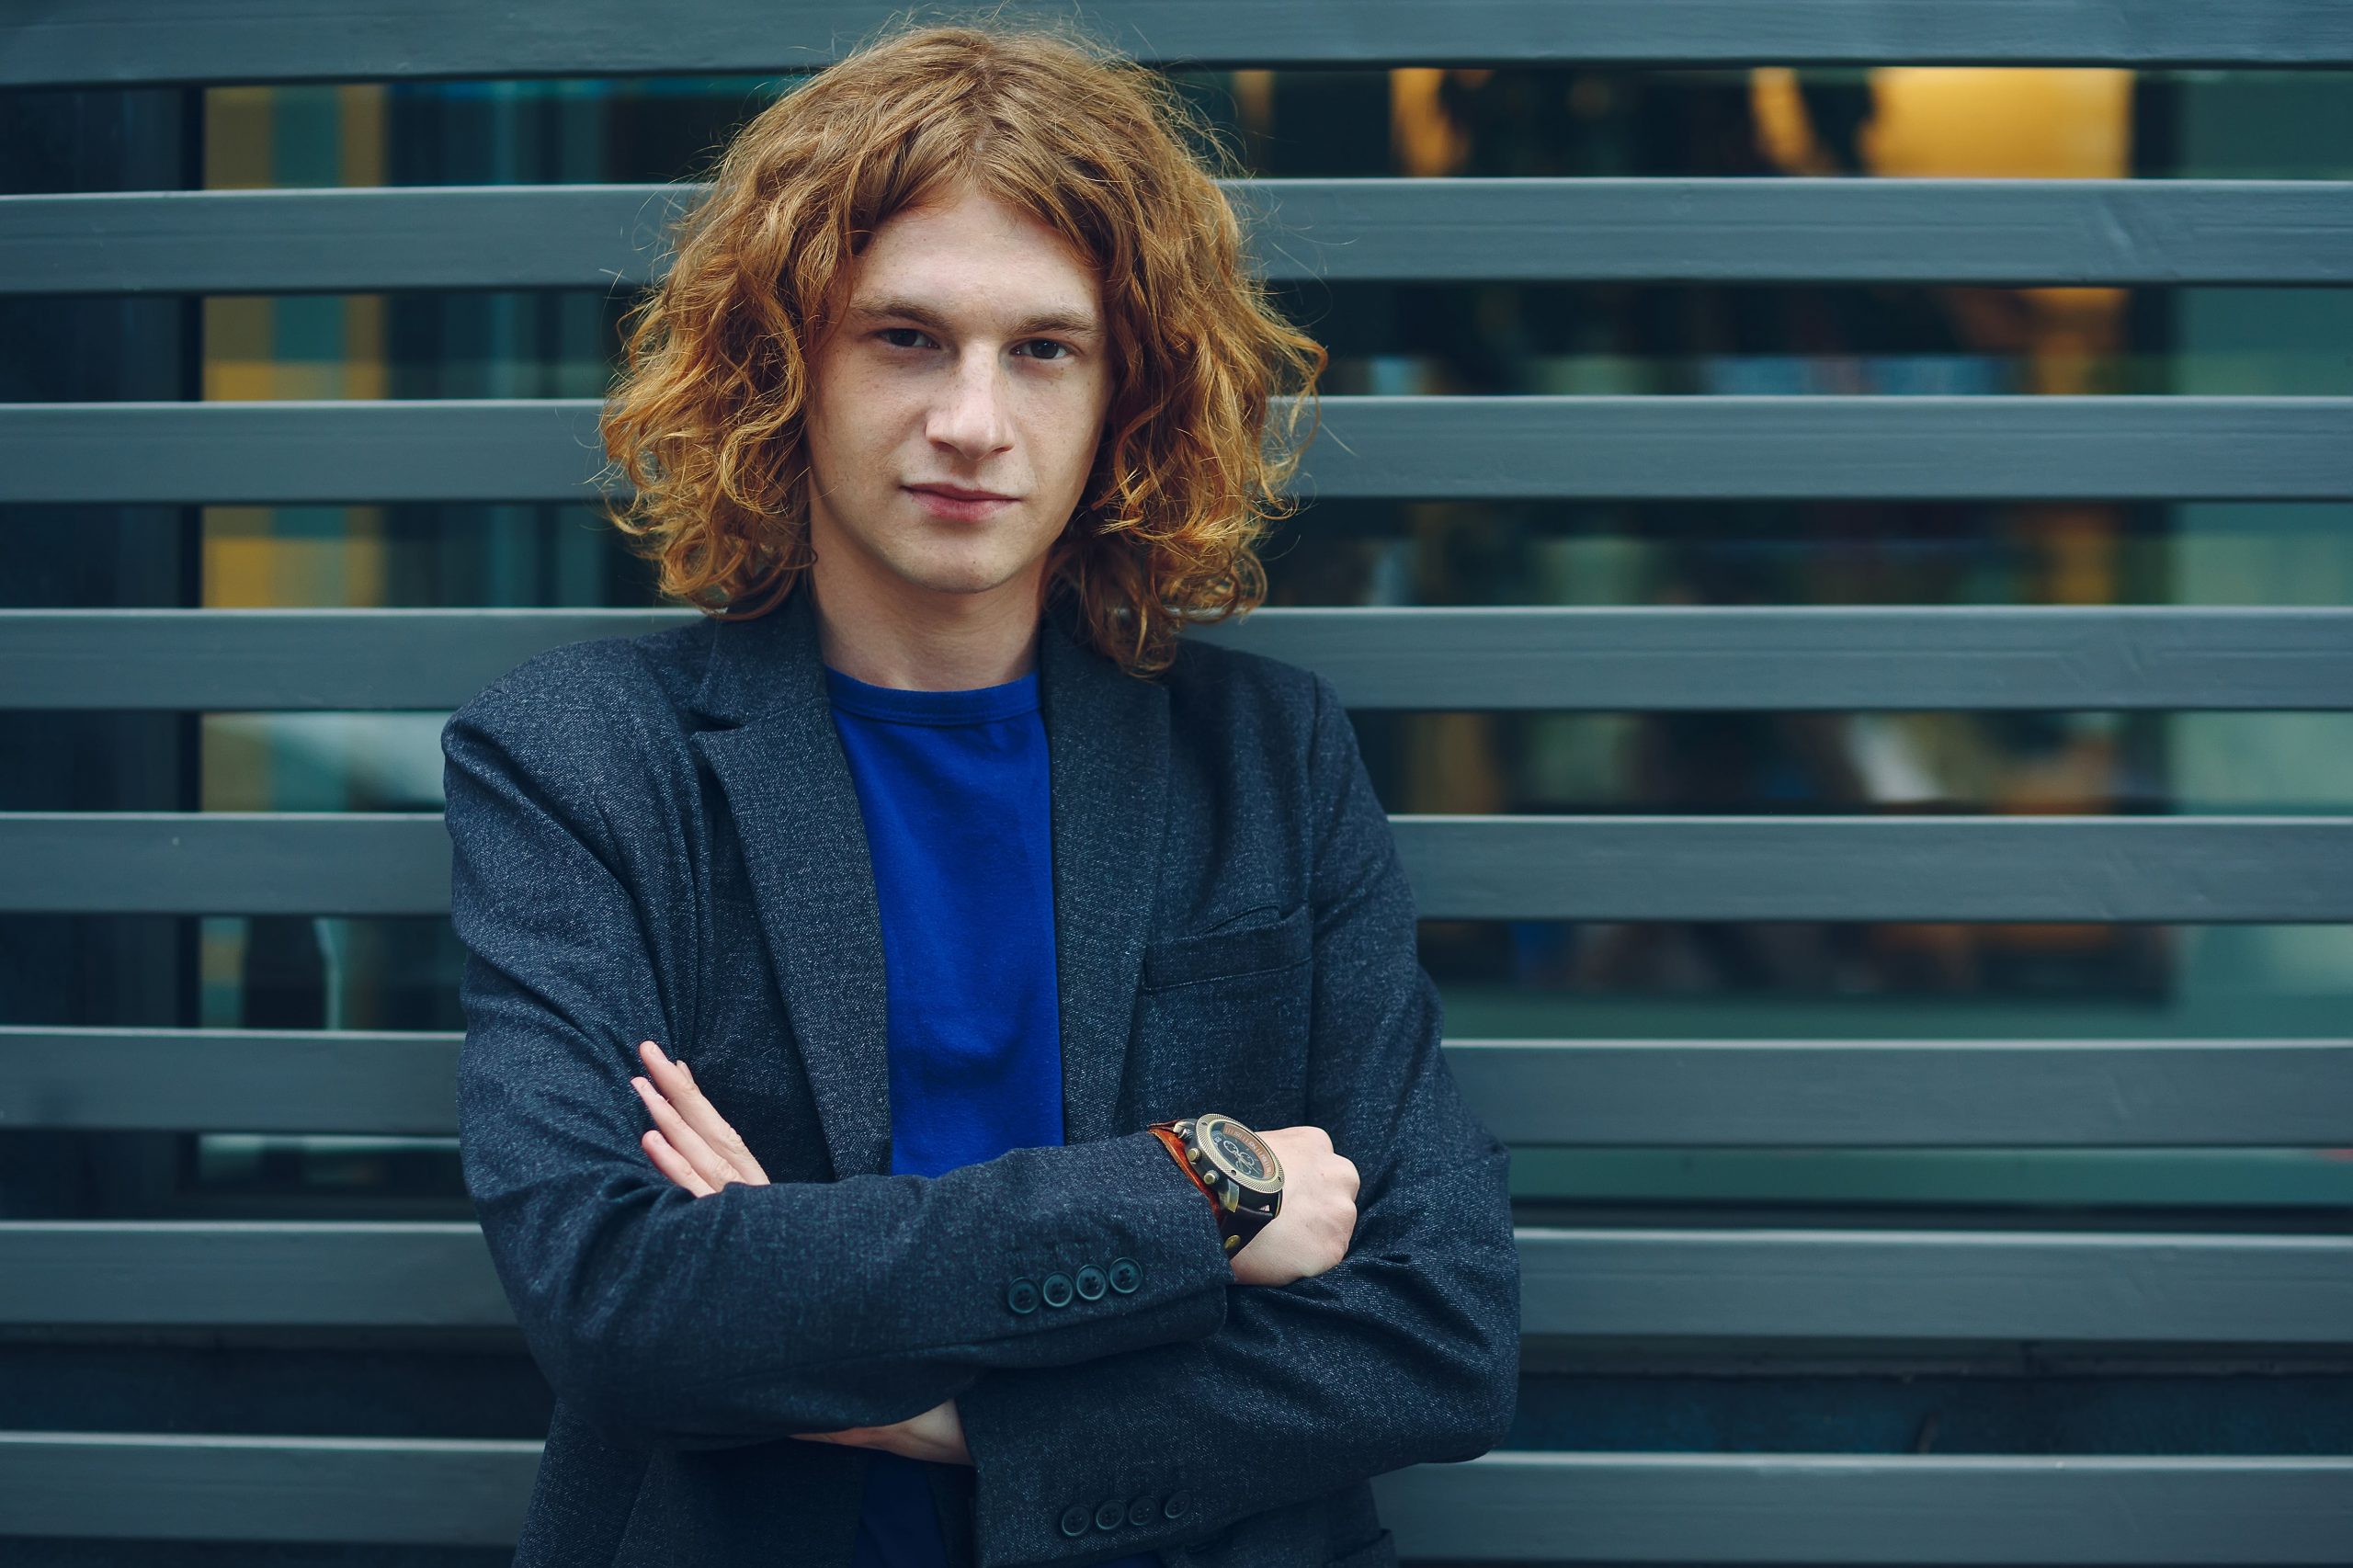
954 789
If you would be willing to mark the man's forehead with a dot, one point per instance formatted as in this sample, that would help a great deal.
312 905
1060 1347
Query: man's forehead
967 257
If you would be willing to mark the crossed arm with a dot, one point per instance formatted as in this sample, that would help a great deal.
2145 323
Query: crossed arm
692 1144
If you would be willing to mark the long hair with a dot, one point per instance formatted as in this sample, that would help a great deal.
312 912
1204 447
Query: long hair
705 415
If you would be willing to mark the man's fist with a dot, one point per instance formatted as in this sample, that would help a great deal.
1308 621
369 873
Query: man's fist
1319 1213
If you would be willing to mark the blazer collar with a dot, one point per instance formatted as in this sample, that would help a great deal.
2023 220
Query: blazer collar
787 780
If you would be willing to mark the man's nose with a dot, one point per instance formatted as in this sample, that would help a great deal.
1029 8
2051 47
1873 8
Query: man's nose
971 414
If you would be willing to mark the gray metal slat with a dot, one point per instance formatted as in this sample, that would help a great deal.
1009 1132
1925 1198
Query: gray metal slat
296 660
288 1081
1806 229
1796 658
1507 1505
271 1273
279 40
220 1487
1910 1093
488 449
2045 1286
332 863
2095 1287
1903 657
1645 230
1872 1509
1448 447
2192 869
1585 1093
334 239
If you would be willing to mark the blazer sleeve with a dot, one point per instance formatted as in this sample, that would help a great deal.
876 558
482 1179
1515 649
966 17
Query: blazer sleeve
756 1312
1405 1352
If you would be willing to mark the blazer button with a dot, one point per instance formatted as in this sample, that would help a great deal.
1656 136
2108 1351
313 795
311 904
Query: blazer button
1108 1513
1022 1295
1126 1274
1074 1519
1056 1290
1140 1511
1090 1283
1175 1505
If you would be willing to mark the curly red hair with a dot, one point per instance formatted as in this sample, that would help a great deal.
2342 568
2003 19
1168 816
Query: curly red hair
705 415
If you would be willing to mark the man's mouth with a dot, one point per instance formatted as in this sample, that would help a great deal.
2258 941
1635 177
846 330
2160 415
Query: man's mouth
957 504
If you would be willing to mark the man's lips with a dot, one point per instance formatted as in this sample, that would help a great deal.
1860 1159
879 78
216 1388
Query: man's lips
957 492
947 502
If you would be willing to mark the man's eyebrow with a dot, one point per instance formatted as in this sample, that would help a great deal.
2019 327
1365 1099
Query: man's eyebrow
1063 321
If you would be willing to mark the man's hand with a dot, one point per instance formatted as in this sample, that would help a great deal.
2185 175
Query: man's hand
1319 1213
689 1142
692 1144
938 1434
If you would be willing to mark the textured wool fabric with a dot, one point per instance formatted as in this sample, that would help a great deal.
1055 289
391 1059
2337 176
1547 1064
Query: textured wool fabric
658 837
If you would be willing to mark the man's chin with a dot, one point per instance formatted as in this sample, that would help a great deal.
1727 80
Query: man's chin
963 573
966 582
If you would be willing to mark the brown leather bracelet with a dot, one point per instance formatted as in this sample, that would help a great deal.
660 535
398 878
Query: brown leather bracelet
1176 1147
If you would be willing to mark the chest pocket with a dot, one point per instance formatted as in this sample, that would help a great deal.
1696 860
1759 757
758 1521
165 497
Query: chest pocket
1224 1019
1249 949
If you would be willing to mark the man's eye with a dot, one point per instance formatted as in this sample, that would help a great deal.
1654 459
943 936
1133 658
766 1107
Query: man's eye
891 333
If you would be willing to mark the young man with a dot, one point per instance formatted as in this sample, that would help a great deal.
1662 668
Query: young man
947 1078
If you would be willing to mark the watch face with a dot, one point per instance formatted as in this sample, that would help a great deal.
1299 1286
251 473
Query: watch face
1239 1153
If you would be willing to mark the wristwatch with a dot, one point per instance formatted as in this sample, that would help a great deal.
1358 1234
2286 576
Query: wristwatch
1233 1165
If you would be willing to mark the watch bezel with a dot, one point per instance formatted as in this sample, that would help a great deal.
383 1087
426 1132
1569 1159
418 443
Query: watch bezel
1205 1127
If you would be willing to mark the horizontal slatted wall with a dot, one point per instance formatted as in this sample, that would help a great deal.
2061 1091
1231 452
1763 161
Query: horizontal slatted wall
282 1281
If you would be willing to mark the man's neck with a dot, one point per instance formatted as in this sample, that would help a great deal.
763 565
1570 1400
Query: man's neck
963 642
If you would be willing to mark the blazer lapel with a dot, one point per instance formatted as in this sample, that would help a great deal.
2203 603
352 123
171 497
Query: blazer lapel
788 784
1107 739
797 817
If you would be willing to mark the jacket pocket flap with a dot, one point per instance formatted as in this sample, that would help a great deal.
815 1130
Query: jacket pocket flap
1182 960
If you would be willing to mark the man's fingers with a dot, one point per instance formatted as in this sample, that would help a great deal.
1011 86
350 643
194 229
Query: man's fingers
936 1435
678 1085
672 1163
707 1162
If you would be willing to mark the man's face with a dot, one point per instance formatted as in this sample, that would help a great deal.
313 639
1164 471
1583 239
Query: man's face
971 356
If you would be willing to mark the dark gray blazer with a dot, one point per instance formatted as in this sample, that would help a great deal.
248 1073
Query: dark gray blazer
656 837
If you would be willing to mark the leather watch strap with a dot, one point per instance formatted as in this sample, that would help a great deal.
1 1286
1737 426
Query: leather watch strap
1234 1228
1176 1147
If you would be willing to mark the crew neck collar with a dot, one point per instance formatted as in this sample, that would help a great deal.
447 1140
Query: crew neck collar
906 705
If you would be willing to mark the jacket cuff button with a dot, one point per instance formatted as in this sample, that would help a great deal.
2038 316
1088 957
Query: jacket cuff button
1140 1511
1108 1513
1125 1275
1074 1519
1175 1505
1091 1281
1056 1290
1021 1296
